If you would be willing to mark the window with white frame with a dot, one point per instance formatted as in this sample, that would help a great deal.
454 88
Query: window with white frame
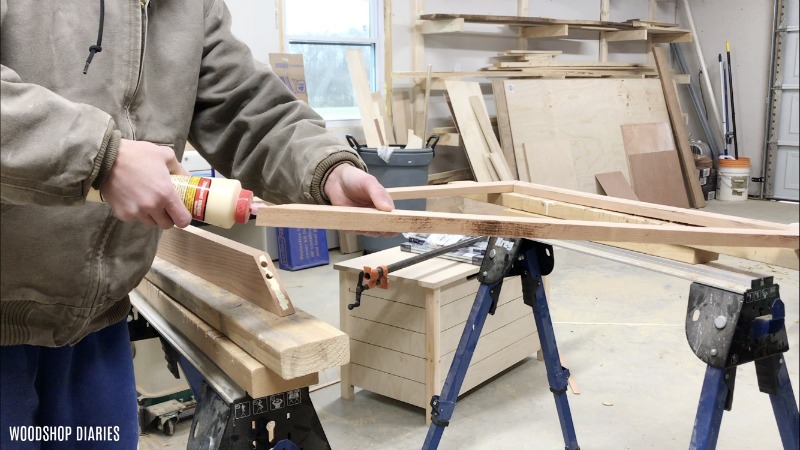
323 31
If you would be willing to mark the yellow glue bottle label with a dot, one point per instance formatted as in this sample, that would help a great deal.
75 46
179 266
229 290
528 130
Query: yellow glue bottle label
193 191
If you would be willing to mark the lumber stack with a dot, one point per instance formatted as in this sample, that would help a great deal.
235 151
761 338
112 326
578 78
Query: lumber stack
543 64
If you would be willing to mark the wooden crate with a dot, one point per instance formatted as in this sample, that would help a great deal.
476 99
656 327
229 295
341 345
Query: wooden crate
403 339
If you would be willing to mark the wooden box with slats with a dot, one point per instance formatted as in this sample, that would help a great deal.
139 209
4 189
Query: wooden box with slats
402 339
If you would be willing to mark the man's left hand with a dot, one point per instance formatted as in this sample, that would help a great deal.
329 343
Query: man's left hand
350 186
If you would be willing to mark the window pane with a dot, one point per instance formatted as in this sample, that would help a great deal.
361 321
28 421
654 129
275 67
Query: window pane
330 91
328 18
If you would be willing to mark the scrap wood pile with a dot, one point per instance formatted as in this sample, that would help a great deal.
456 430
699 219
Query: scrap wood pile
619 136
620 133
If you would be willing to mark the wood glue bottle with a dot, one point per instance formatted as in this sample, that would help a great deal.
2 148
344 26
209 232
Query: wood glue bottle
215 201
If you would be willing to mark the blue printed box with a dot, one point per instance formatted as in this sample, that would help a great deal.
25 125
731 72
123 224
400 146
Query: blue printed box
300 248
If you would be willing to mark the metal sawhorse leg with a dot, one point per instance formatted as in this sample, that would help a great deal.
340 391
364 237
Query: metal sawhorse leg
727 329
506 257
226 417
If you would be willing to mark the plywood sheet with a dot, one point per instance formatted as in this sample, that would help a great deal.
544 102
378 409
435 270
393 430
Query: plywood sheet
587 113
656 178
614 184
560 168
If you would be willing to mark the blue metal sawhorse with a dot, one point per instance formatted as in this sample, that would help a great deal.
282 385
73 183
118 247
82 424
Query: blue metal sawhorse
506 257
727 329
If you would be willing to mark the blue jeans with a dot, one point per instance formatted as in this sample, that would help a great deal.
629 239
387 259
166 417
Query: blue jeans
80 397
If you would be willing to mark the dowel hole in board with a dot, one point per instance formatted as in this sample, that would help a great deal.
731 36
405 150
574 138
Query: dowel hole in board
264 264
268 275
696 315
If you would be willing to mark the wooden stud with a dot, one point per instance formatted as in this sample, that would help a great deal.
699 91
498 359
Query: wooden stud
362 91
291 346
246 371
546 31
441 26
691 181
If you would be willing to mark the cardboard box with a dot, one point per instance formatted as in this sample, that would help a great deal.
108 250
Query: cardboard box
289 68
301 248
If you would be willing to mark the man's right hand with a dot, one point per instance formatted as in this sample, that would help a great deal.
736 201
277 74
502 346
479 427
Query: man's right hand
139 188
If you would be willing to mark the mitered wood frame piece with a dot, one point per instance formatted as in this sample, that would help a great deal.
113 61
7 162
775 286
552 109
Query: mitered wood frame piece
233 266
400 221
633 207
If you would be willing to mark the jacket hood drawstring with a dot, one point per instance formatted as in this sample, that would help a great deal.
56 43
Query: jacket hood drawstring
97 48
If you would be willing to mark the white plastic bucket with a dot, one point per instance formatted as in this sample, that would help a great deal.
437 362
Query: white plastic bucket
733 179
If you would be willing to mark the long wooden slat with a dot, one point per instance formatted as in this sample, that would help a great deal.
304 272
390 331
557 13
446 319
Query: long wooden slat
553 208
682 253
504 127
475 145
243 369
446 190
361 88
662 212
291 346
399 221
499 161
690 179
233 266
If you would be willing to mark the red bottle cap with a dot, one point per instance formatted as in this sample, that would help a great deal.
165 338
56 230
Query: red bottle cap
243 206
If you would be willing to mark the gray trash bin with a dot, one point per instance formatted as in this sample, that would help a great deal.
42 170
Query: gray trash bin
406 167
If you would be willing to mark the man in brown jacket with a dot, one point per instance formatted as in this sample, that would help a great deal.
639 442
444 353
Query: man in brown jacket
158 74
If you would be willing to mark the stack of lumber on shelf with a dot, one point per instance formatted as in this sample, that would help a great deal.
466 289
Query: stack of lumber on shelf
540 64
533 27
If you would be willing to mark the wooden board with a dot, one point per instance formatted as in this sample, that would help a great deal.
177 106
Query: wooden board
690 180
504 129
243 369
631 207
700 253
475 145
662 212
656 178
586 113
235 267
401 115
400 221
615 184
291 346
362 91
682 253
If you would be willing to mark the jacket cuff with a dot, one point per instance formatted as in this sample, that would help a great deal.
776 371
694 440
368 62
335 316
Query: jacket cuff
105 158
324 169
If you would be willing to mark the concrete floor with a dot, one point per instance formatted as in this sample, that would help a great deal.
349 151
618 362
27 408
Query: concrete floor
620 330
